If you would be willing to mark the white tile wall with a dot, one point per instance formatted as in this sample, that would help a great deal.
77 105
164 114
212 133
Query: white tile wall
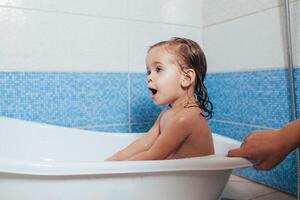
295 26
168 11
250 42
33 40
114 35
94 35
217 11
109 8
142 35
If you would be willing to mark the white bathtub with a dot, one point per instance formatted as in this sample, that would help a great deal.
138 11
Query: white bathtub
43 162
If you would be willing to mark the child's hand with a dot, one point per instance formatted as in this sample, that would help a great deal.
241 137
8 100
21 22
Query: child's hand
114 157
111 158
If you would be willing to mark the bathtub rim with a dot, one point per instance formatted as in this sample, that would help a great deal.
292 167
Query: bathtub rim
205 163
31 167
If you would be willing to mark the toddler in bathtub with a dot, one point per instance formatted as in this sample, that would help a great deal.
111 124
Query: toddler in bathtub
176 70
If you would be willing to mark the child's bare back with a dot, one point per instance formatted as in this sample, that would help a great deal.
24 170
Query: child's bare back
191 130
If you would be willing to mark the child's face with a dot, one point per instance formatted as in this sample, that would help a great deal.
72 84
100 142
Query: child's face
164 76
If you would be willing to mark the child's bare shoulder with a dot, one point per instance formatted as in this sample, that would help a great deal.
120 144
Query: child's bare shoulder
191 116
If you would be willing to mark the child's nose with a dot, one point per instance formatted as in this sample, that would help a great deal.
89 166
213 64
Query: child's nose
149 78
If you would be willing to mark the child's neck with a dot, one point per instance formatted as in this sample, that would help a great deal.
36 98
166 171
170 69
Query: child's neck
183 103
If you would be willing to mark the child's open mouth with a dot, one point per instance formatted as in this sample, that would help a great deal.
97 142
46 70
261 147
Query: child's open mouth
153 91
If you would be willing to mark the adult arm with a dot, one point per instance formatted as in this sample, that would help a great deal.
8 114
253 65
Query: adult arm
269 147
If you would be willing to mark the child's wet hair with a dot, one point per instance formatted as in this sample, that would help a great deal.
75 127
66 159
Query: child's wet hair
191 56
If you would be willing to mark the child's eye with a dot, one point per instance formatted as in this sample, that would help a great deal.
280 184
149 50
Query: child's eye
148 72
158 69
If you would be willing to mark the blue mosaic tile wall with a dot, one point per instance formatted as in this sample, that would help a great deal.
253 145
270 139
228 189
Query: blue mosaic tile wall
243 102
258 98
140 128
66 99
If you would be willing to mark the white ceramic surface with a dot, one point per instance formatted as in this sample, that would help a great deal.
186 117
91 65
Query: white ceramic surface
39 161
90 36
248 35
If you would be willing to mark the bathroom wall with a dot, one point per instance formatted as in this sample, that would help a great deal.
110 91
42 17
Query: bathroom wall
81 64
245 46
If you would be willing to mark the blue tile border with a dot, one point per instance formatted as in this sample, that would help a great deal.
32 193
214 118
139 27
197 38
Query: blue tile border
124 128
256 97
232 130
141 128
65 98
110 129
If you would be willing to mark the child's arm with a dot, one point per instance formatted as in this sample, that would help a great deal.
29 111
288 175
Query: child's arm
169 140
138 145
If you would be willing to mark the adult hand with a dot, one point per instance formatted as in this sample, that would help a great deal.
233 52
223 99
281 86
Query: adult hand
268 148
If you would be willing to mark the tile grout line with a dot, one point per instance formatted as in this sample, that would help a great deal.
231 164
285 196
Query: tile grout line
101 126
250 69
129 102
245 15
241 124
100 16
111 125
240 181
262 195
129 78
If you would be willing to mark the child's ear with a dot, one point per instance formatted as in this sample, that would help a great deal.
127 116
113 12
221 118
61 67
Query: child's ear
188 79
